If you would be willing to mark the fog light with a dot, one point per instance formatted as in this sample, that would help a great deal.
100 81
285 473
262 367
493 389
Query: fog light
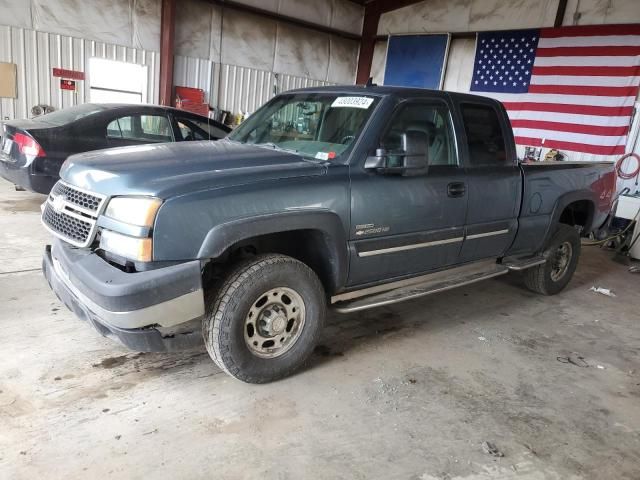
133 248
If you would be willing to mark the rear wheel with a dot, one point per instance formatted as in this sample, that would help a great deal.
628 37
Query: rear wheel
265 320
562 259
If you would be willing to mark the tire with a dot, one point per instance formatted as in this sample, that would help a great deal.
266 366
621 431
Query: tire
554 275
235 329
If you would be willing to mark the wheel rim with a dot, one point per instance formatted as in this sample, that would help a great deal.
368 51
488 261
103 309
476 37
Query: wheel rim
274 322
561 260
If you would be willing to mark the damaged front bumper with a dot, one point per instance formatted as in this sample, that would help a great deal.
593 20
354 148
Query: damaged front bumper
157 310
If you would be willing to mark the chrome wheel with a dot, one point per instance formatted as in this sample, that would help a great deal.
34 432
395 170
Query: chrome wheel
560 261
274 322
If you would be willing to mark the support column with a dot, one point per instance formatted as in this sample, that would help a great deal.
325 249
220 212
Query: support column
167 34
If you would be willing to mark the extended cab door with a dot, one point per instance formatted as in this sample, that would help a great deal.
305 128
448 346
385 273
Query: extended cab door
494 180
403 225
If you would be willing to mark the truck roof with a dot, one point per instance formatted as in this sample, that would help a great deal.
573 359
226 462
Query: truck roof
386 90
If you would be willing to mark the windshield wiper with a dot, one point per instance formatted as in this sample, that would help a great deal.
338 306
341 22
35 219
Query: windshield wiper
276 147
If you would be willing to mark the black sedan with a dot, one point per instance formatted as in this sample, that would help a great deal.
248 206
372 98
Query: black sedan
32 151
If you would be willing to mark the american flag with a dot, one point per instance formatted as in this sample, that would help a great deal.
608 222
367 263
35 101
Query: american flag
569 88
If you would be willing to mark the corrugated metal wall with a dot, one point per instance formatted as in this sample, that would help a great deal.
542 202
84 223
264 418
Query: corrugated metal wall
235 88
37 53
228 87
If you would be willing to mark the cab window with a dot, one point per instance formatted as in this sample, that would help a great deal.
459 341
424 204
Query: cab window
432 120
485 138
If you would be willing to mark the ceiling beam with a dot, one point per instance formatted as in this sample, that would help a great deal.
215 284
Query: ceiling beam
562 8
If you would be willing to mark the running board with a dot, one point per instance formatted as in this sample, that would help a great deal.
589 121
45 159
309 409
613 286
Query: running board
518 264
416 287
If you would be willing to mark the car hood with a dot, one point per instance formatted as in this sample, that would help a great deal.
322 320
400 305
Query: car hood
170 169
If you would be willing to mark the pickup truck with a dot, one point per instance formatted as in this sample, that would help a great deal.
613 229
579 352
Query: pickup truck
343 198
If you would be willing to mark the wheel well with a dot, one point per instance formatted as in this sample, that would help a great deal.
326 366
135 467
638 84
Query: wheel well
579 213
311 247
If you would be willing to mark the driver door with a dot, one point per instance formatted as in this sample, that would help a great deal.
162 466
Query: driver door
406 225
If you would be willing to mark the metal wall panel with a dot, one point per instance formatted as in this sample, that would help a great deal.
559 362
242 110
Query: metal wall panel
234 88
37 53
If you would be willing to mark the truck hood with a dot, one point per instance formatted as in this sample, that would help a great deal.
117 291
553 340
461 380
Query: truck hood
170 169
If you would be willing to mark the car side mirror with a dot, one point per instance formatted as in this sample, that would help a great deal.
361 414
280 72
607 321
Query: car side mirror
416 153
412 159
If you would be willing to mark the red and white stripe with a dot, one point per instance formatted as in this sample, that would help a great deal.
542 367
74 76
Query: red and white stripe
584 83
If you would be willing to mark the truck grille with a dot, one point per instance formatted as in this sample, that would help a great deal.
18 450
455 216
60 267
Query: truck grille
81 199
71 214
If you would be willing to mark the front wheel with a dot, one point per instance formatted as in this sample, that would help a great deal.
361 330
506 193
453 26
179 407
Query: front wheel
265 320
562 259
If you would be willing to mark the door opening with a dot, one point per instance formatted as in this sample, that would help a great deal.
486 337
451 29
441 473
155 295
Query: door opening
117 82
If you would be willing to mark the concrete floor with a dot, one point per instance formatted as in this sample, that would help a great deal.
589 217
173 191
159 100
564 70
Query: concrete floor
408 392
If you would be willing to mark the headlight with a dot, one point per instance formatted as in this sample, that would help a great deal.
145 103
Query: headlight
140 211
133 248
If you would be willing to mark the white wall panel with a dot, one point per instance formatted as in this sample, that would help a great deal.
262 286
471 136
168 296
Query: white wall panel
308 58
110 23
146 24
193 28
468 15
347 16
511 14
378 62
343 60
248 40
593 12
16 13
37 53
459 69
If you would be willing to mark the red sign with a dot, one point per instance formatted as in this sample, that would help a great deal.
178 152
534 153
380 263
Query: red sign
61 72
67 84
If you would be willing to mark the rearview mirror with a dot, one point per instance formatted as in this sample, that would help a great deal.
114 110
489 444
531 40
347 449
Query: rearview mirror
411 160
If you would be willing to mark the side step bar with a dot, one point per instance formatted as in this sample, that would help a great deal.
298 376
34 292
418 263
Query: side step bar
400 291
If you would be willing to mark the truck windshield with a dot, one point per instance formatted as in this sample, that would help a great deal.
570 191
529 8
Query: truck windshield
316 125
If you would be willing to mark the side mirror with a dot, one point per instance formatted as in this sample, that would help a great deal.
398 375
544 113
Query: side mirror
412 159
416 152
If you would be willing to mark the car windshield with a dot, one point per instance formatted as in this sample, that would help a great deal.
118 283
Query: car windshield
316 125
71 114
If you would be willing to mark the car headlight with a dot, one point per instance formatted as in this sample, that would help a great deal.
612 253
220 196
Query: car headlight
132 248
140 211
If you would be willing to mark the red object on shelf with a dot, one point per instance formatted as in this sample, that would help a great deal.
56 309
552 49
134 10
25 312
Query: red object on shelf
195 95
192 100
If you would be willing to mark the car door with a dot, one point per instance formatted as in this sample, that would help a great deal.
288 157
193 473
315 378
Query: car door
494 181
403 225
138 129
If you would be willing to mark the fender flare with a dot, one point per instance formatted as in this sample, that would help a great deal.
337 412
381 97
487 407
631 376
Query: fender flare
225 235
562 202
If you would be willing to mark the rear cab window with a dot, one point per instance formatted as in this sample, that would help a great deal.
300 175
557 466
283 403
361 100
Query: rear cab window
485 135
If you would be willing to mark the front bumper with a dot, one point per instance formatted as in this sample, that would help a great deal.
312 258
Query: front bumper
22 176
158 310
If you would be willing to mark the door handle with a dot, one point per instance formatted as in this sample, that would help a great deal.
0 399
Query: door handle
456 189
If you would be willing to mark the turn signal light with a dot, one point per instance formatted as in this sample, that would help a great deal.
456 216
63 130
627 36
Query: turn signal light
28 146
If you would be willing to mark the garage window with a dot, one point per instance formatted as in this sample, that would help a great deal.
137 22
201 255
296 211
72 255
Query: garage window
146 128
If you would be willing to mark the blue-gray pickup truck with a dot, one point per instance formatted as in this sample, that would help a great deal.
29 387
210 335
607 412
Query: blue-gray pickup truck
342 198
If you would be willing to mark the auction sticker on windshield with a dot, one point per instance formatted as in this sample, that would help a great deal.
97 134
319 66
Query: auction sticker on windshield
353 102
